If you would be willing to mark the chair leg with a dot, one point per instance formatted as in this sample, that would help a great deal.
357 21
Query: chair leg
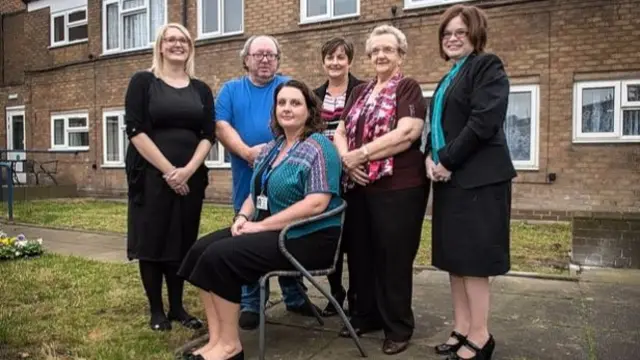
343 316
263 300
308 301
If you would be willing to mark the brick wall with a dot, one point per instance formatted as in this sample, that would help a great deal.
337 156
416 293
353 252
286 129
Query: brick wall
10 6
549 43
607 240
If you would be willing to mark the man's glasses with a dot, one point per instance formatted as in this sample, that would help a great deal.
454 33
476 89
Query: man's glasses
260 56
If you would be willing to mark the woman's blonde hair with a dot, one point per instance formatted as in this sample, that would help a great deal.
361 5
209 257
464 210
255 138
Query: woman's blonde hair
158 59
388 29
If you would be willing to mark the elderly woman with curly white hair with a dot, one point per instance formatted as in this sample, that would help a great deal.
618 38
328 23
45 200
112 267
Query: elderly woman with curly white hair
386 188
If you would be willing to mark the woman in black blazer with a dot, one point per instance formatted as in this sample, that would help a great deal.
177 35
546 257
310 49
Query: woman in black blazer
469 163
337 55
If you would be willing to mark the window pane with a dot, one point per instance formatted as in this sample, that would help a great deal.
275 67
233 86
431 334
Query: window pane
78 139
316 8
58 29
631 122
132 4
633 92
597 110
232 15
17 129
125 142
427 125
78 33
156 9
345 7
76 122
517 126
112 27
58 132
77 16
227 156
213 154
112 140
135 30
210 16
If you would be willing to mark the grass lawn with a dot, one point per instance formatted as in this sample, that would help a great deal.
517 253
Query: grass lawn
534 247
63 308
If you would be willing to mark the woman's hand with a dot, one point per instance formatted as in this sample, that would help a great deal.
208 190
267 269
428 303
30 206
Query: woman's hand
178 176
359 176
250 227
237 226
431 166
353 158
441 173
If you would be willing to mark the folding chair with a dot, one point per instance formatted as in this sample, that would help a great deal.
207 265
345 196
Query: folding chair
301 271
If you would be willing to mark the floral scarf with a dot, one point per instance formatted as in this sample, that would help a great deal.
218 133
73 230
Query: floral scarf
379 117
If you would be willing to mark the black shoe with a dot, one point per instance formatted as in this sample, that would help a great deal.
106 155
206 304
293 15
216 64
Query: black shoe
359 330
188 321
483 353
391 347
331 310
159 323
249 320
448 349
304 310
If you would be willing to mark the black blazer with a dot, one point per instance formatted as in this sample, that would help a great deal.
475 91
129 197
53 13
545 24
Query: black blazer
473 116
322 90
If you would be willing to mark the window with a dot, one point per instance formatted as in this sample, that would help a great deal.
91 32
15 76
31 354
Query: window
428 95
218 157
521 126
131 24
220 17
114 138
606 111
412 4
322 10
70 131
69 27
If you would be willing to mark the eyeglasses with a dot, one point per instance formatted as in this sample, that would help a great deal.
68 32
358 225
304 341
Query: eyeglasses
459 34
260 56
173 40
387 50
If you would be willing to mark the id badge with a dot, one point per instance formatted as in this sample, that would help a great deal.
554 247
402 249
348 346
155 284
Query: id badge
262 203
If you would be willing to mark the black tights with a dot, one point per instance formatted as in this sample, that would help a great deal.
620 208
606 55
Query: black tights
152 273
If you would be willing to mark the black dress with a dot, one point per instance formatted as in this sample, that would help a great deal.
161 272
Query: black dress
162 225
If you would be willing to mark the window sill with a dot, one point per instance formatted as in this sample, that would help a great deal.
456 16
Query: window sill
217 166
606 140
112 166
69 150
526 168
327 19
213 36
135 51
67 44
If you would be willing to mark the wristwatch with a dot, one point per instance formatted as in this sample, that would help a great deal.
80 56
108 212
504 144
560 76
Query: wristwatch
238 215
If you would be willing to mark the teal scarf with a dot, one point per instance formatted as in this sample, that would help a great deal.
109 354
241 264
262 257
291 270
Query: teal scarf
437 134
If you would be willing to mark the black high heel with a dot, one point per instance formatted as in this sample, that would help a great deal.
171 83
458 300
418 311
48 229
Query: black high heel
447 349
483 353
238 356
331 310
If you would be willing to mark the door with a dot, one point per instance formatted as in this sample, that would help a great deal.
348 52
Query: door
16 140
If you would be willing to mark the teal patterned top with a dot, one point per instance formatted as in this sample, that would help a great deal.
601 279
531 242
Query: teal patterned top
437 134
312 166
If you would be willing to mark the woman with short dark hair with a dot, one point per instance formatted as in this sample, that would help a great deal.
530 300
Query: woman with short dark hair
337 55
469 163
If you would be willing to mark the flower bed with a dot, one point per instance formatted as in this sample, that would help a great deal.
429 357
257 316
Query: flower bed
19 247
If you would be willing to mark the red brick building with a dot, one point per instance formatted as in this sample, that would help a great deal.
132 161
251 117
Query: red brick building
574 116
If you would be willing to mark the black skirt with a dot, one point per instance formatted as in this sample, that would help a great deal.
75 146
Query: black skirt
471 229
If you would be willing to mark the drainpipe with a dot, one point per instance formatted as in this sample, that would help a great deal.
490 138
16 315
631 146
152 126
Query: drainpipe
184 13
2 53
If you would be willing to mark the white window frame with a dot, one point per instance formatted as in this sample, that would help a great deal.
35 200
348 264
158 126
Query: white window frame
620 88
417 4
218 163
220 32
121 14
68 25
534 146
121 145
304 19
65 117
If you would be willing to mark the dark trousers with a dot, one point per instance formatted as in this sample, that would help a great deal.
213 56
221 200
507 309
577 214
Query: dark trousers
383 229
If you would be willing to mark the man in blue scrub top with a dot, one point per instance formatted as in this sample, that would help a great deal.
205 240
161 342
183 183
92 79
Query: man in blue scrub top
243 112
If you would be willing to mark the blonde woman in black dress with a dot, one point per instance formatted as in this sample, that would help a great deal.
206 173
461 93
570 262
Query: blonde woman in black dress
169 121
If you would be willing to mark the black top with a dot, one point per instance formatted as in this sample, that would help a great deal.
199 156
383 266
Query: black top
166 113
473 116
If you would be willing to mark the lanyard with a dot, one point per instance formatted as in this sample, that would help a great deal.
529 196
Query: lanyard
269 169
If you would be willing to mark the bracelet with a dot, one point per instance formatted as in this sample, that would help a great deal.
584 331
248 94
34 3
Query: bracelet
365 151
240 215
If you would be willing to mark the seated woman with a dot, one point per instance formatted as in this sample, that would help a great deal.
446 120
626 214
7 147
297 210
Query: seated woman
296 176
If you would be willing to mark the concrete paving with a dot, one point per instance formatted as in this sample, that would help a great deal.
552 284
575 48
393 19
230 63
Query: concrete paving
597 316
